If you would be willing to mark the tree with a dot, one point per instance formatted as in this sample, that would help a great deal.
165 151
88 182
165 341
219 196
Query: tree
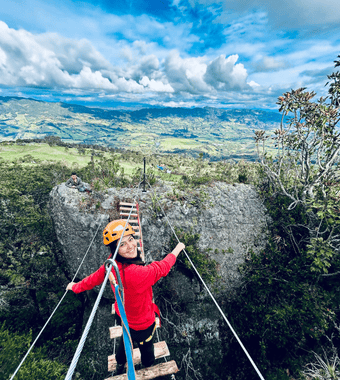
306 164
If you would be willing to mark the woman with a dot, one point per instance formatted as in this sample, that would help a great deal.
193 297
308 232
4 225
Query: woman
137 279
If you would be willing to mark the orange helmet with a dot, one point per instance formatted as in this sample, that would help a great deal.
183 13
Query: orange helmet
113 231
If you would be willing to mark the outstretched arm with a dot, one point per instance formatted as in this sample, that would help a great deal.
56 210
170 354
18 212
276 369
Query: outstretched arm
89 282
144 277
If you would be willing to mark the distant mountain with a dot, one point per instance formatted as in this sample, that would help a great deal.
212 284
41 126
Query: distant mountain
218 133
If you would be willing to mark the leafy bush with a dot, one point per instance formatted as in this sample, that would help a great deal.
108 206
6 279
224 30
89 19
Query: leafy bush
13 348
205 266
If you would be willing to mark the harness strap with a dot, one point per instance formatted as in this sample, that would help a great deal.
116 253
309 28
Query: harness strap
126 336
150 337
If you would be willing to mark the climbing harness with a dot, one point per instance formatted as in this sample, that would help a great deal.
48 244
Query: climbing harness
210 294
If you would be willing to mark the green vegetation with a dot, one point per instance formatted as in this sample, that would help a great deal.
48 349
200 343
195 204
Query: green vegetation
288 308
206 266
14 346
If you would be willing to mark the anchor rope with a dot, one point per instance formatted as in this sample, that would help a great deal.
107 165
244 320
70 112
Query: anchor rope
210 294
55 309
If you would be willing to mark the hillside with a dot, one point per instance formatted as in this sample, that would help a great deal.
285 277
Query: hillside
218 133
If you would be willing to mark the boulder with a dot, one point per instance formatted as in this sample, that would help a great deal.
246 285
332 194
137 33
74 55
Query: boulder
230 219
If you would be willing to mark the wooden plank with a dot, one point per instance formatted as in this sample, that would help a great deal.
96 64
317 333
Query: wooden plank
126 204
117 331
127 209
127 214
135 228
149 373
161 350
132 221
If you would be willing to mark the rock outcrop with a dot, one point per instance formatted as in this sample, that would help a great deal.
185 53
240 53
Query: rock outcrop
230 219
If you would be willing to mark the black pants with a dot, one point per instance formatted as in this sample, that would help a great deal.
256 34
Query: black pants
139 337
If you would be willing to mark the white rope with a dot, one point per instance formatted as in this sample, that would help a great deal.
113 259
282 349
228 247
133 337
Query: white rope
32 345
212 297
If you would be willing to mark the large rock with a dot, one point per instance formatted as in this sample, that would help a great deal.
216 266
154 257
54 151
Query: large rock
230 219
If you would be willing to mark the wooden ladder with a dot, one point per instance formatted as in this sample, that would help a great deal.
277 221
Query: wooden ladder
161 351
161 348
135 222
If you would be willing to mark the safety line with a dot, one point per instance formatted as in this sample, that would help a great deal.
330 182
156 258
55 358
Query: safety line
32 345
212 297
87 329
128 345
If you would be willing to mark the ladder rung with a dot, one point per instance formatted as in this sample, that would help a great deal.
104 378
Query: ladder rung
132 220
135 227
161 350
127 204
117 331
149 373
127 214
127 209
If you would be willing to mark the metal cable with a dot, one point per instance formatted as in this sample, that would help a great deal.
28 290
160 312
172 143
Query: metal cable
85 254
212 297
32 345
87 328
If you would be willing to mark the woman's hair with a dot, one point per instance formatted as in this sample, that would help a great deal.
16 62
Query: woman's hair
113 247
137 260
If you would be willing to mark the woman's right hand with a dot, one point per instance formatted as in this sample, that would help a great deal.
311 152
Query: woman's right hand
179 247
69 286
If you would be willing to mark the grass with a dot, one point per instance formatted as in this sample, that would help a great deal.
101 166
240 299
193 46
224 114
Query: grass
173 143
70 157
44 152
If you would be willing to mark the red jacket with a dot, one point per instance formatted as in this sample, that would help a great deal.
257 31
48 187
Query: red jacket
137 282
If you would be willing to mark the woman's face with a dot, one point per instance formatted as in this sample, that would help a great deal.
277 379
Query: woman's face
128 247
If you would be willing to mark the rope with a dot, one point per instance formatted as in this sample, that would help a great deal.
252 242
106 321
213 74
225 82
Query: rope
85 254
87 328
114 347
212 297
32 345
126 337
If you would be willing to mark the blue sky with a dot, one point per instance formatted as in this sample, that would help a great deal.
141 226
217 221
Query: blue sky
176 53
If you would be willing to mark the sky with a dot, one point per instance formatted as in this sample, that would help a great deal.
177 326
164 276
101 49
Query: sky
168 53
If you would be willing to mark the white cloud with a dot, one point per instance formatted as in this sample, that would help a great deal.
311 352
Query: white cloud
92 80
48 60
156 86
253 84
186 74
51 61
224 74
